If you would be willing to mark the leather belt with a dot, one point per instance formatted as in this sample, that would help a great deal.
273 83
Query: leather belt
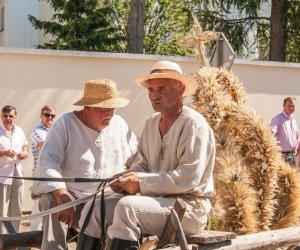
288 152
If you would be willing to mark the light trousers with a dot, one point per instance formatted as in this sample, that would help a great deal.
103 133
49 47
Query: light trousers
11 197
136 215
54 231
36 224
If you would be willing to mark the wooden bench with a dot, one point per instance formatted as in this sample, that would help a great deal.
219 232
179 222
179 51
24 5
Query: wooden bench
25 239
173 233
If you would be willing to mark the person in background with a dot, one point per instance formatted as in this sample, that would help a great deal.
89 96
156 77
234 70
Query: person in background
38 136
285 129
13 150
93 143
177 155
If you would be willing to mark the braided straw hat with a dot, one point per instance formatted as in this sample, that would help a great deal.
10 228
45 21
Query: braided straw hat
101 93
171 70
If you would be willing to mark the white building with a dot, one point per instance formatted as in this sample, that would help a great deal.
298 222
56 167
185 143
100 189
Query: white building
15 29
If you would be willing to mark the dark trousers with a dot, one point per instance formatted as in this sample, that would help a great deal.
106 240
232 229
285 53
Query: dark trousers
290 158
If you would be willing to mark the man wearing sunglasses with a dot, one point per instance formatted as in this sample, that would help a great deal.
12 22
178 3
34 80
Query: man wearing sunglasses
37 139
12 151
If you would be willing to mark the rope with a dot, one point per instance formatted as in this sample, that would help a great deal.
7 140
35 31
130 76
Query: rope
60 179
58 208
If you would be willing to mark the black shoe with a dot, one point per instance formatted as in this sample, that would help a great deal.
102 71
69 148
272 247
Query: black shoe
86 242
118 244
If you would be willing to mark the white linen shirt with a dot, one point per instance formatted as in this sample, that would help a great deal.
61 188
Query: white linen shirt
180 162
16 141
72 149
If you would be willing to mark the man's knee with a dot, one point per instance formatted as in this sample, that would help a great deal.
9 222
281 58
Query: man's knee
125 205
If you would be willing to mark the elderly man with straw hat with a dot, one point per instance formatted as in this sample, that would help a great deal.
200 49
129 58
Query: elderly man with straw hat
177 154
92 143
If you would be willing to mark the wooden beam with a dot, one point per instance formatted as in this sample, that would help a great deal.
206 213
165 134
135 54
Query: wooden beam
208 236
168 235
178 230
28 239
260 241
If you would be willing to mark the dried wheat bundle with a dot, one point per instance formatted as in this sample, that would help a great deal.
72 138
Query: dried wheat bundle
207 99
287 211
232 85
260 154
234 192
217 89
254 189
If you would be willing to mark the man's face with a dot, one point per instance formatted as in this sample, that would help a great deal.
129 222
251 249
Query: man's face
47 117
289 107
164 94
8 119
100 117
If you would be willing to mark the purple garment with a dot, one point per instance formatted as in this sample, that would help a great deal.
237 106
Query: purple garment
286 131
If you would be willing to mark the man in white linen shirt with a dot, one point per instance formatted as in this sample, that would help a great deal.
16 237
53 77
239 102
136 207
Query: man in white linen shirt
13 149
177 152
93 143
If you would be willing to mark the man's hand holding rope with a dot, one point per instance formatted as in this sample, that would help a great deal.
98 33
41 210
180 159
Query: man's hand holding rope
128 182
68 216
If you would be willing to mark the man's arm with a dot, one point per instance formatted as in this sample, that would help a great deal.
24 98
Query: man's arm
68 216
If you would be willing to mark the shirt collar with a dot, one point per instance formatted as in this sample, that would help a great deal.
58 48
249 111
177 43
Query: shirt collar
287 117
5 130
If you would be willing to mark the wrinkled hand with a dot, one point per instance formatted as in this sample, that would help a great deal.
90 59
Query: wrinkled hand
68 216
128 182
115 185
23 155
9 153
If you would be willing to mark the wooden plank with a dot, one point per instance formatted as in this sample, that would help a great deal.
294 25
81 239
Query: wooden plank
258 241
149 244
168 235
178 230
208 236
27 239
10 229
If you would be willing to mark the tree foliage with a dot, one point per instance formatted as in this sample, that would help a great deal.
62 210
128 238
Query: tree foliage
80 25
166 23
103 25
247 26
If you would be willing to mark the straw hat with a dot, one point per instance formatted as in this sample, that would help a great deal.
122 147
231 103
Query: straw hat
101 93
172 71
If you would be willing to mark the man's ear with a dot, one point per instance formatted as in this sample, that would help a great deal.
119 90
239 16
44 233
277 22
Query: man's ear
181 89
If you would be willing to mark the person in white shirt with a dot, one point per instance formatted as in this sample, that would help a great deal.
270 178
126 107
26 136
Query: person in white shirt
177 155
13 150
92 143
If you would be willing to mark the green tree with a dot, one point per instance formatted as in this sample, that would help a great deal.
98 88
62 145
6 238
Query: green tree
248 28
104 25
166 22
81 25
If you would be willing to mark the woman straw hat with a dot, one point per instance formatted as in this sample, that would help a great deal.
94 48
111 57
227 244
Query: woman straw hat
101 93
171 70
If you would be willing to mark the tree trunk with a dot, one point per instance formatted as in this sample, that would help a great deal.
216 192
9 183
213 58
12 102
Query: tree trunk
277 31
136 27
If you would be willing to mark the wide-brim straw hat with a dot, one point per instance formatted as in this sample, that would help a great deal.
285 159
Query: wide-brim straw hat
173 72
101 93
